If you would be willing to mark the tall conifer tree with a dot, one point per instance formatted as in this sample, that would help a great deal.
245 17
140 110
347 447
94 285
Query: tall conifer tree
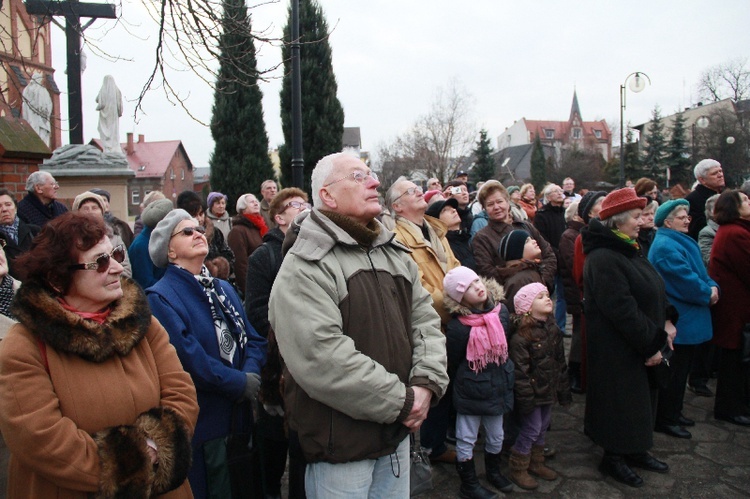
655 150
322 114
538 166
240 162
678 158
484 165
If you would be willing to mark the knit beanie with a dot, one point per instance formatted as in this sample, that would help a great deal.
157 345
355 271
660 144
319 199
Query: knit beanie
619 201
587 202
513 188
213 197
526 296
155 212
158 245
511 245
102 193
85 196
664 210
457 281
436 208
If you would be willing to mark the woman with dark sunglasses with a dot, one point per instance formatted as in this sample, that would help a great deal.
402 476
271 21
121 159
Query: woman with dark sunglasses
214 340
93 399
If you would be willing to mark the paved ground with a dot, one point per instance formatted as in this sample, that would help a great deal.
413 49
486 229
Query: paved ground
714 463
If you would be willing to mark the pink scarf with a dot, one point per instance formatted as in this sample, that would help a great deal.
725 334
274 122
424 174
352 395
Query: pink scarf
487 342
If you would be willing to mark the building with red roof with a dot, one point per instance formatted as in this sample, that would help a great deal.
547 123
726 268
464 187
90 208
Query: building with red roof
560 134
162 165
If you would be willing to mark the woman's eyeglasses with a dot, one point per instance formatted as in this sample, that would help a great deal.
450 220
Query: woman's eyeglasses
189 231
296 205
102 261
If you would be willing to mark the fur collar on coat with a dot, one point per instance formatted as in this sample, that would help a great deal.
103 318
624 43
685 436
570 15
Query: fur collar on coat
494 292
39 311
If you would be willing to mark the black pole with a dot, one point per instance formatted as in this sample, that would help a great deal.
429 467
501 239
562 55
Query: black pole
298 161
622 139
75 103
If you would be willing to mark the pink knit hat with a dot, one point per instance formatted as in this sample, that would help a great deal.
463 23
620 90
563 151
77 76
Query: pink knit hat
457 281
526 296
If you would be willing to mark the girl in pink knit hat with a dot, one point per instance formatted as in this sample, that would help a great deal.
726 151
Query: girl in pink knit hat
541 380
482 374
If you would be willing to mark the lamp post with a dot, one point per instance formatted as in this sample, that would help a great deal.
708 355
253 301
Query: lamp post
702 122
298 160
637 84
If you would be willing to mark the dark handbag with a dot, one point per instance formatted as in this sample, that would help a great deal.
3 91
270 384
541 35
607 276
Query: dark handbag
745 357
420 472
232 462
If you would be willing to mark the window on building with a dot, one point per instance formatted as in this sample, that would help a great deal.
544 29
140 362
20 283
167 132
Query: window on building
576 133
549 133
598 134
135 196
182 175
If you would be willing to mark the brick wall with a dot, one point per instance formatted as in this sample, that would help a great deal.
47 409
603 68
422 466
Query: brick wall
13 174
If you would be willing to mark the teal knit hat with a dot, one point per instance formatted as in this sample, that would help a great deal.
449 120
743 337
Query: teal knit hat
666 208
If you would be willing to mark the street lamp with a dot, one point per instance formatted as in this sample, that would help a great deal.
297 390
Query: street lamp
702 122
637 84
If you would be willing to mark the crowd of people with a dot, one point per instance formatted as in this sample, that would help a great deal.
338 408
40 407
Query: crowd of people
203 355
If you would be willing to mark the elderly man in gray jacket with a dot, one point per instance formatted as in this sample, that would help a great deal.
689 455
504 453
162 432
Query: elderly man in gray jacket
364 354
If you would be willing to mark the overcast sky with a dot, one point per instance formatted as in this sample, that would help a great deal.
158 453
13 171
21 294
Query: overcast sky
516 59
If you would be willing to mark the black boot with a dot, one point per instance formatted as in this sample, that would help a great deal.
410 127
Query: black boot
615 466
492 468
470 486
574 372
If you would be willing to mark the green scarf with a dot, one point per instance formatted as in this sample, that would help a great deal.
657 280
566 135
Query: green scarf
626 238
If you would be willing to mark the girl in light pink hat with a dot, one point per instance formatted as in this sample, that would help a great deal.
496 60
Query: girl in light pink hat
541 380
482 374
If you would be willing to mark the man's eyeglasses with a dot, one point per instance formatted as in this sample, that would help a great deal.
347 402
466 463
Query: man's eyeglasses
297 205
359 176
101 264
189 231
410 191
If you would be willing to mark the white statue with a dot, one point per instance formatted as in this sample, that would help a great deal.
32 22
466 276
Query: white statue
109 105
37 107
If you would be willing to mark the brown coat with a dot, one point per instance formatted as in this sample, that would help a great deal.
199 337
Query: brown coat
77 424
244 238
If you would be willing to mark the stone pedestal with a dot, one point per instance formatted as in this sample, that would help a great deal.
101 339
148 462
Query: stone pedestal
78 168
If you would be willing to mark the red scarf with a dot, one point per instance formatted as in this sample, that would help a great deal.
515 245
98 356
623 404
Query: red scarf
99 317
258 221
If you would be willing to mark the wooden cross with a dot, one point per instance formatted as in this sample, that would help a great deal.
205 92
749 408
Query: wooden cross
73 11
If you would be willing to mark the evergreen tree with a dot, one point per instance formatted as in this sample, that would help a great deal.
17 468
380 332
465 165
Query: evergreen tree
678 155
322 114
538 164
655 150
240 162
633 165
484 165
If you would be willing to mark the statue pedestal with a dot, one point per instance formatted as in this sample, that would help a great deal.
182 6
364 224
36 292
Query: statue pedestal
81 167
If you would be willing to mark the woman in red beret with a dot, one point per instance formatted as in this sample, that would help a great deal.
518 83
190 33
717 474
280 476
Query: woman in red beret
629 325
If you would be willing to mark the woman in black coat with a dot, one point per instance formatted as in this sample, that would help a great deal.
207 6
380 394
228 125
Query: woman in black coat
629 324
15 234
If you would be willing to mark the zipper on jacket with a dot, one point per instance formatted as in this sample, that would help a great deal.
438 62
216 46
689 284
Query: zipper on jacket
330 435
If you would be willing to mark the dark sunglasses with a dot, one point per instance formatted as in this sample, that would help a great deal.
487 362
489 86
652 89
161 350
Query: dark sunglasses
102 261
189 231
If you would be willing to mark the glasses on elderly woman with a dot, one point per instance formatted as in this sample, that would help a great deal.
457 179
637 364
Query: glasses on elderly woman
189 231
297 205
102 261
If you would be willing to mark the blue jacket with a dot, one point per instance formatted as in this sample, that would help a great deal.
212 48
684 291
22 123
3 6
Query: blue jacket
180 304
677 257
145 272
